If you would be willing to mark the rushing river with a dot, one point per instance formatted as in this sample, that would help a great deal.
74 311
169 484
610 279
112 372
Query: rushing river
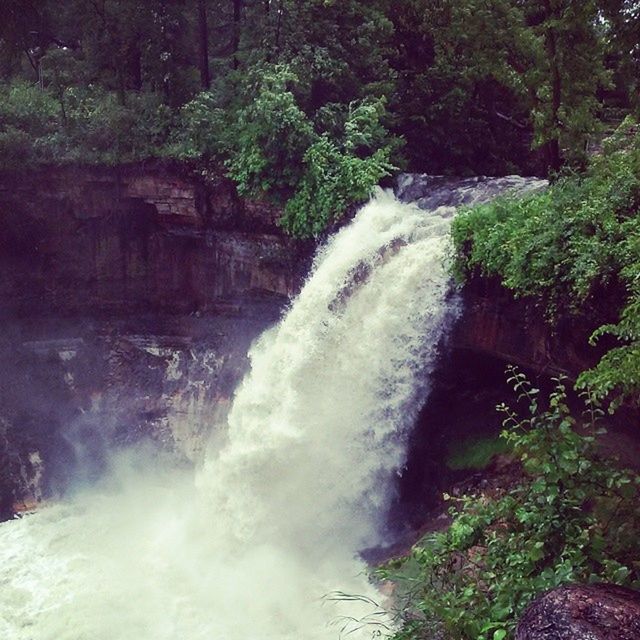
275 517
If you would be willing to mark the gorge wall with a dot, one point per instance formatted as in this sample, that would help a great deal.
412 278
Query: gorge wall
135 237
129 297
157 237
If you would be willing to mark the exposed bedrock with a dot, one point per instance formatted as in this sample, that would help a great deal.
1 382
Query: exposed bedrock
516 331
135 238
157 238
73 390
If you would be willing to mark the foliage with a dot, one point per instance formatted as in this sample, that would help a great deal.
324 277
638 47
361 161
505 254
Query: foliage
278 149
564 83
575 249
272 134
458 100
81 124
573 518
333 180
268 89
203 128
499 76
617 375
340 171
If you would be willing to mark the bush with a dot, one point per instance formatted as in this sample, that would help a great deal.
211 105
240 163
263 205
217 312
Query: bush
271 137
26 107
573 518
574 249
94 127
203 128
101 130
279 150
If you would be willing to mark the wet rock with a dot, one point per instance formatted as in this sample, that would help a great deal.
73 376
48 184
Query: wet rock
582 612
429 192
516 331
74 391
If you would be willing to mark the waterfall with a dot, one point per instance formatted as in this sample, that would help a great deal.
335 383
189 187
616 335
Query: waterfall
283 503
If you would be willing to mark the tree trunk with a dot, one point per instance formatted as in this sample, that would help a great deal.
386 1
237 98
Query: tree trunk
279 27
237 17
203 51
135 65
554 156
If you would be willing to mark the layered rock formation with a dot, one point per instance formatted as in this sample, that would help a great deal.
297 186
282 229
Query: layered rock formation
140 237
129 297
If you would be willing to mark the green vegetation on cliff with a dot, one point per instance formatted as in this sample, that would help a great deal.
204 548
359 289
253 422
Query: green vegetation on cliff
575 250
312 102
571 517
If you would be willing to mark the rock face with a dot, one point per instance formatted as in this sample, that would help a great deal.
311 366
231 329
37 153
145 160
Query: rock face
495 324
138 237
129 297
582 612
73 390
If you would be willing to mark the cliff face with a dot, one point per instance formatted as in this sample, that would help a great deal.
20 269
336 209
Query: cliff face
129 297
139 237
158 238
497 325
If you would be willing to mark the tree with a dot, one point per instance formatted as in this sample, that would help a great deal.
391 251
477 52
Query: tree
567 76
621 37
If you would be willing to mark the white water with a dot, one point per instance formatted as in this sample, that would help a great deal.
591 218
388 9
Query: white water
277 514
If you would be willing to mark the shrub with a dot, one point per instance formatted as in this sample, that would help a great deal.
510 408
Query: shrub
26 107
271 137
279 150
332 180
573 518
99 129
203 127
314 164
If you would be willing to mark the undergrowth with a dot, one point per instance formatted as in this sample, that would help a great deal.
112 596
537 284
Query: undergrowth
574 517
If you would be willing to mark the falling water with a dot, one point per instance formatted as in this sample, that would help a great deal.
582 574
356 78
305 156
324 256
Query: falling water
279 510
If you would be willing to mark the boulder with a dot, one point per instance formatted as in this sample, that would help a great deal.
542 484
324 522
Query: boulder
582 612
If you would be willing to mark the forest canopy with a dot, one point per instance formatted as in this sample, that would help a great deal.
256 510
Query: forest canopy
312 102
